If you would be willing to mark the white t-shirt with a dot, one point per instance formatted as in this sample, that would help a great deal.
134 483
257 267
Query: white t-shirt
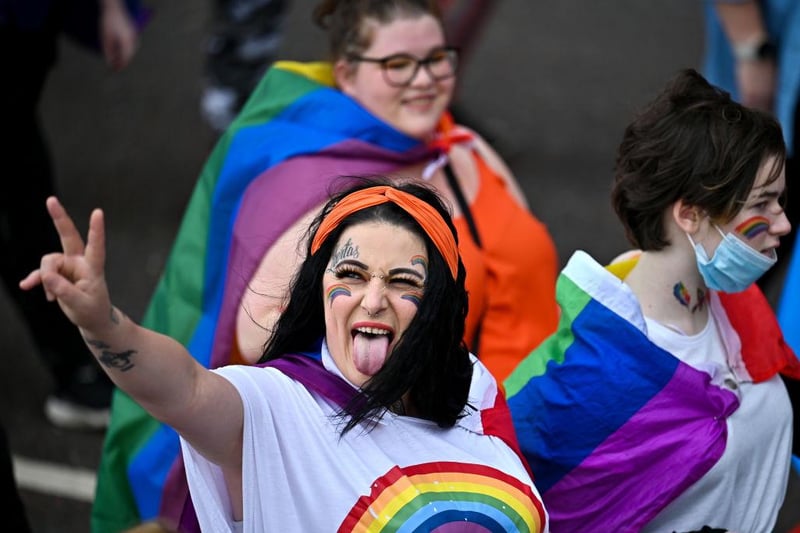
300 474
744 490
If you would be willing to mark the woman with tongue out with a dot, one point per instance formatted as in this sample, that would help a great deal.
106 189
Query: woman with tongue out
377 107
393 76
367 412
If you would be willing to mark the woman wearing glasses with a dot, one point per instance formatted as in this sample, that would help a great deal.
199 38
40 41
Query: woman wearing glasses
379 106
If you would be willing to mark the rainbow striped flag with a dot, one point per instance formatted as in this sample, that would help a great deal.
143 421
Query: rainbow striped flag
278 160
614 427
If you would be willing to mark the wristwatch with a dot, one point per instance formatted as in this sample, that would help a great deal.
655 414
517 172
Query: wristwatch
762 49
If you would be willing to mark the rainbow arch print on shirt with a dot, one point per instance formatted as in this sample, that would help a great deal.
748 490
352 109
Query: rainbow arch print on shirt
446 497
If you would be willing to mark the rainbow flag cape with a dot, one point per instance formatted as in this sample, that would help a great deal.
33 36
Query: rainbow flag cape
614 427
277 161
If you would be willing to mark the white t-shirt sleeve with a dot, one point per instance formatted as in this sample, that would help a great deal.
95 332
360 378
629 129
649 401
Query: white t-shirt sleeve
208 490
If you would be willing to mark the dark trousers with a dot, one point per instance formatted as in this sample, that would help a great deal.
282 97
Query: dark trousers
26 180
14 517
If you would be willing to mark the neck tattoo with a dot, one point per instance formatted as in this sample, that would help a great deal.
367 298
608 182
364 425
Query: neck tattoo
681 294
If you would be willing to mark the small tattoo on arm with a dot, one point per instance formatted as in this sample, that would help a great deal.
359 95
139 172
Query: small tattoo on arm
114 315
119 360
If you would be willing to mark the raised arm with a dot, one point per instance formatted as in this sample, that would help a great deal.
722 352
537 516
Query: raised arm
743 24
118 36
154 369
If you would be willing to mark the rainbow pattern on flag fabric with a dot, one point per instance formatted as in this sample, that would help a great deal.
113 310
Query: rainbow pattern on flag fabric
614 428
446 497
753 227
279 160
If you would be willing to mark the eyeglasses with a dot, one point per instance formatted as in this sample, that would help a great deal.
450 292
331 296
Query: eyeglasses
400 69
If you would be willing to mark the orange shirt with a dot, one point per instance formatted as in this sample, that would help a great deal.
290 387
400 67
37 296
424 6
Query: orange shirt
511 280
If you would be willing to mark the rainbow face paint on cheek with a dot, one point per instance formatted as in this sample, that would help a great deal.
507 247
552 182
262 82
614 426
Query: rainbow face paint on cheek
334 291
415 297
752 227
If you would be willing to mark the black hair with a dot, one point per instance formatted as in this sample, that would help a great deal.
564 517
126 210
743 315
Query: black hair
430 362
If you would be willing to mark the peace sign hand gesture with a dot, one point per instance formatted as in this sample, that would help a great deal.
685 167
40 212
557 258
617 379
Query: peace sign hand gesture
75 277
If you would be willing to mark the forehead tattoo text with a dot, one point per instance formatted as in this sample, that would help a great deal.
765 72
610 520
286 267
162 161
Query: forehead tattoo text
345 251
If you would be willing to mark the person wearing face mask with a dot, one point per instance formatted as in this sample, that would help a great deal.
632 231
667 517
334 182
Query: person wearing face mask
367 411
658 405
379 106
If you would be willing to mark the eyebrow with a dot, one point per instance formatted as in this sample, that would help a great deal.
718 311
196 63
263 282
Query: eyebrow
392 271
768 194
405 270
430 51
353 262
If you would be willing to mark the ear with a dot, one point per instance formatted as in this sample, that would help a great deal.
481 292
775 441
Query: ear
343 72
687 217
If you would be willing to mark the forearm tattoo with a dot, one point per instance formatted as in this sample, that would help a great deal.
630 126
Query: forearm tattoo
119 360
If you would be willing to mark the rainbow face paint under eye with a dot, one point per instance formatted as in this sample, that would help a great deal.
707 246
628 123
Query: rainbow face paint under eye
415 297
334 291
752 227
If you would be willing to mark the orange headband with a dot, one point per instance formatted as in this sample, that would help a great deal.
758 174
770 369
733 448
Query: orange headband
427 217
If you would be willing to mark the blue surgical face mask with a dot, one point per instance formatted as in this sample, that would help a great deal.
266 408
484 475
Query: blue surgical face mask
734 266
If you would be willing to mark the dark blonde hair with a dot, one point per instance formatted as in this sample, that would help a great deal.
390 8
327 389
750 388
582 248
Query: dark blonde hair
692 143
344 20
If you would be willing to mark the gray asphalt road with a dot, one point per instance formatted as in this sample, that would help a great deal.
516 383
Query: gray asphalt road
551 83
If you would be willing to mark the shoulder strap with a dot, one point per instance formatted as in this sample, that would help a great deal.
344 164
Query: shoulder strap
462 204
452 181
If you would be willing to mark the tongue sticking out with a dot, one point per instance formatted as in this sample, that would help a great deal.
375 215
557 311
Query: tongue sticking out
369 352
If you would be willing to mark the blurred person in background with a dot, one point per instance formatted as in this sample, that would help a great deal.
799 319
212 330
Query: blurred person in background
245 40
29 33
752 51
246 36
